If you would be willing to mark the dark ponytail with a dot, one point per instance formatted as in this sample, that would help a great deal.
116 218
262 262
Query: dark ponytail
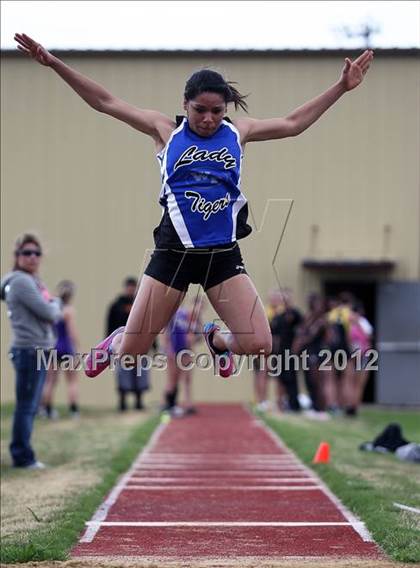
209 81
65 291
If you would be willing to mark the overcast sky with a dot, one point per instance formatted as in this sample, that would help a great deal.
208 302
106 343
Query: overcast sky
209 25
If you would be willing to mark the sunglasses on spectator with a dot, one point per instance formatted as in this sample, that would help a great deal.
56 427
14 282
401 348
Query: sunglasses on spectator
30 252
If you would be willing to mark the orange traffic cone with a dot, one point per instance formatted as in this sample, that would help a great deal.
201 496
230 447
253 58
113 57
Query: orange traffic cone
322 454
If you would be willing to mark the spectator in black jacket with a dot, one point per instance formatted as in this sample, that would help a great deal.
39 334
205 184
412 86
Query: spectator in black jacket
283 328
120 308
132 380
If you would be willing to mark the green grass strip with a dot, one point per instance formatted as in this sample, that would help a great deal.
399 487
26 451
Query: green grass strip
56 541
367 483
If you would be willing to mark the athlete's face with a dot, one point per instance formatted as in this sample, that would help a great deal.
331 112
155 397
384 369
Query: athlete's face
205 113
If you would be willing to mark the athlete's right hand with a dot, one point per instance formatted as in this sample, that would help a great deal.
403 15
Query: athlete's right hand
35 50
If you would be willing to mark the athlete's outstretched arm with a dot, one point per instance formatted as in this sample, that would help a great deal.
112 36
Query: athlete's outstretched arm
253 130
151 122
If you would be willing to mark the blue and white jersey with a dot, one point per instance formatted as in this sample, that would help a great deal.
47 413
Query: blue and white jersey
201 196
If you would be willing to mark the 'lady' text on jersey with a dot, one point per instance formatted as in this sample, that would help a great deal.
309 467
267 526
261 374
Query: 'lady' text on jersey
193 154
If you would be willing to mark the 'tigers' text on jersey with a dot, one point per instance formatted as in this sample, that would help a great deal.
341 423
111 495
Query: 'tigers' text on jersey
200 204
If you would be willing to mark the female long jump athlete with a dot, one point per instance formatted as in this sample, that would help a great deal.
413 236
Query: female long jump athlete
205 212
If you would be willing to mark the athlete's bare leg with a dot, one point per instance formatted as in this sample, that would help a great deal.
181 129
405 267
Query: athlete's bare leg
154 306
238 304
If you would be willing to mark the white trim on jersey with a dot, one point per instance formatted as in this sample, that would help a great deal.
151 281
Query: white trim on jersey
241 200
236 207
173 208
178 220
164 154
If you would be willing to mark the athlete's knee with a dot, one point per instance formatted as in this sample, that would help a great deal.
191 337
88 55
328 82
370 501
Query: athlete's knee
134 347
132 352
259 344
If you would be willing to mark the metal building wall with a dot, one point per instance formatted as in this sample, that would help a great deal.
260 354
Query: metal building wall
88 185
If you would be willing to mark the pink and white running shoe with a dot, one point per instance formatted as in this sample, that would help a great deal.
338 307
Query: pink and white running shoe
99 357
223 360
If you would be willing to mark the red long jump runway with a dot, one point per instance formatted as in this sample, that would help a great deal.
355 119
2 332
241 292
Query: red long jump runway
221 485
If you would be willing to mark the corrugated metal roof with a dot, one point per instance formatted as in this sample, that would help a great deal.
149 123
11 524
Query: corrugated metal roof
402 52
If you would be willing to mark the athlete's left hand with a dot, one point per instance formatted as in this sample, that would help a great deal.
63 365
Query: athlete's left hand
354 71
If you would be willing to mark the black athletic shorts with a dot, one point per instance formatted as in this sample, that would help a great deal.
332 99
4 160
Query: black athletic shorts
208 267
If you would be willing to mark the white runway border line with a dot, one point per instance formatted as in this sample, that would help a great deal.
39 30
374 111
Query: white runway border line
222 488
286 463
216 524
102 512
266 480
356 523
